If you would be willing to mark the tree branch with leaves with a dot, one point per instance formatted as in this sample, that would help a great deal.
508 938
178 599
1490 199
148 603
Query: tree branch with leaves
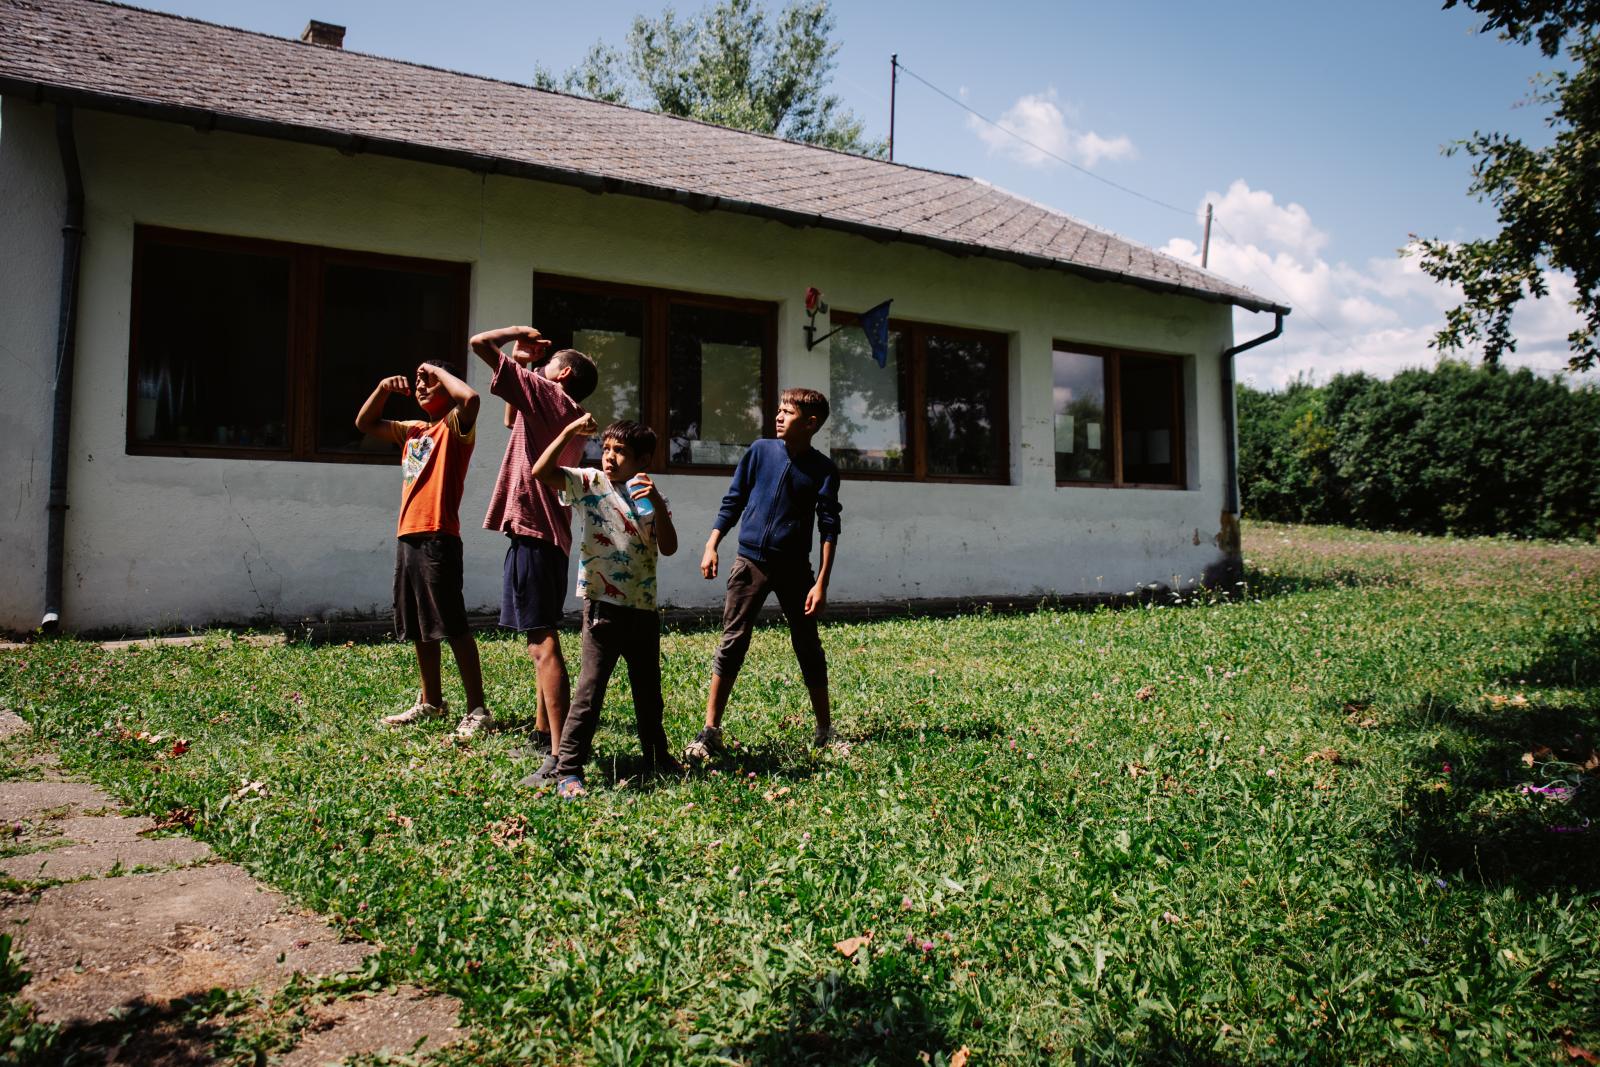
1547 200
730 65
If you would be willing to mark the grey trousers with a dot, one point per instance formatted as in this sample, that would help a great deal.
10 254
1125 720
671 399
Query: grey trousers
612 632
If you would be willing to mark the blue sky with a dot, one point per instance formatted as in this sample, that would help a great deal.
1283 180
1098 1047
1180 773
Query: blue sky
1315 128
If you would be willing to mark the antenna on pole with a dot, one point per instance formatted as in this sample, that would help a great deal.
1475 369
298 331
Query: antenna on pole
894 76
1205 242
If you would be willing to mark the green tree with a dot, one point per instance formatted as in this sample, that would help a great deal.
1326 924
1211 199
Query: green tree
1547 199
730 65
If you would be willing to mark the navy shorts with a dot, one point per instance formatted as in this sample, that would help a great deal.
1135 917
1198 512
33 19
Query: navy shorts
534 585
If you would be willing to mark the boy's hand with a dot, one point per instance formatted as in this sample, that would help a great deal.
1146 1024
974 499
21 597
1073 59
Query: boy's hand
708 562
584 427
530 352
425 376
644 487
816 602
399 383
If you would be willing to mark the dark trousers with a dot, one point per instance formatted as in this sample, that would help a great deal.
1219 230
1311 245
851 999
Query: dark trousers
611 631
748 585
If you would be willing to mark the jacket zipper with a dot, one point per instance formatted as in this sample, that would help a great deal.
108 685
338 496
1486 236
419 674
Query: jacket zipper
783 482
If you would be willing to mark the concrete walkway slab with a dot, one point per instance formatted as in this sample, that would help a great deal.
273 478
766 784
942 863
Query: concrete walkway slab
78 860
99 945
26 801
393 1023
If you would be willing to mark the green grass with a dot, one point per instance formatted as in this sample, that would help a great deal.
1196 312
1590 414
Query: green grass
1286 828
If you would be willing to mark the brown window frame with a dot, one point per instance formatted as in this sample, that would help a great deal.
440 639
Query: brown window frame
1113 387
914 367
655 389
306 264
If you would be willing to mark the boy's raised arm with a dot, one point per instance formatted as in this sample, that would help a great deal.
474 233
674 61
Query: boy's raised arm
488 343
548 466
369 419
465 397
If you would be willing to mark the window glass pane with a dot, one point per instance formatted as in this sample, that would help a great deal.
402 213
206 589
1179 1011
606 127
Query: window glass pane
867 417
963 406
609 330
1149 430
212 347
1083 449
714 358
378 321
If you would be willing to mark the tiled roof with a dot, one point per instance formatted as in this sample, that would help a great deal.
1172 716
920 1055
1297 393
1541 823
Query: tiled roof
126 59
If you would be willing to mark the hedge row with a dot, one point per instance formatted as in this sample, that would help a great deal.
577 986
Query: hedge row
1458 449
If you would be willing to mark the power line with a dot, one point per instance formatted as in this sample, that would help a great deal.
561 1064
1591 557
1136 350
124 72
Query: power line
1045 151
1259 271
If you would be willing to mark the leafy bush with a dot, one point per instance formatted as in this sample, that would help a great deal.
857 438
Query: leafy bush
1457 449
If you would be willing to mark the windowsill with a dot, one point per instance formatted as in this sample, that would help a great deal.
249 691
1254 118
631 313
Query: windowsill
274 455
1122 485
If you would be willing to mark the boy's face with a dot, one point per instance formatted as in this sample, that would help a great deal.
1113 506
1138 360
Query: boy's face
618 460
792 425
430 394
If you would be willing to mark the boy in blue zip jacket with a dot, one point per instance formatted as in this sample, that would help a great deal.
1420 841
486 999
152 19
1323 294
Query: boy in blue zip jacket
776 488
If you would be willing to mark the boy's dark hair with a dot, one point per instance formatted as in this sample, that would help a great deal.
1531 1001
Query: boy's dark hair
639 438
584 374
806 401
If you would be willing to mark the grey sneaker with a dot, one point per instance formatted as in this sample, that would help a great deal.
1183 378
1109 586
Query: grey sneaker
418 712
706 745
474 722
545 775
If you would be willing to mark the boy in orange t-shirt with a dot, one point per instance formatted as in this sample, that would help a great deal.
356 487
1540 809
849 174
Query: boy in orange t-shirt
428 604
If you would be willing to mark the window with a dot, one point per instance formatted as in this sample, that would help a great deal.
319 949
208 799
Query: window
1118 417
700 370
953 379
265 350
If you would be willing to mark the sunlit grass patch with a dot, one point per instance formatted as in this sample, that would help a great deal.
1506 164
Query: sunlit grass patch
1217 831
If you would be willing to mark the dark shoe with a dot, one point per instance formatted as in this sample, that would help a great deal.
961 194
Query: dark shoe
541 743
545 775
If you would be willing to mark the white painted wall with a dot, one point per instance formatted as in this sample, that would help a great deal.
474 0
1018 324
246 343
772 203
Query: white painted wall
32 208
156 542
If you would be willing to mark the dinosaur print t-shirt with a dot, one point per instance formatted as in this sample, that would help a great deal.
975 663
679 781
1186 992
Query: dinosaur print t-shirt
617 558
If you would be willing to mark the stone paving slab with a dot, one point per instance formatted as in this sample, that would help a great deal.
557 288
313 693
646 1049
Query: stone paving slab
80 859
98 945
26 801
11 723
392 1022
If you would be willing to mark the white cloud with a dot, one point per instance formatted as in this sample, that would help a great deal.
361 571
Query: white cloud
1038 118
1378 317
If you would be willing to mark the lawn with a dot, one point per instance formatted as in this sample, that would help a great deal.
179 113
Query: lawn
1343 817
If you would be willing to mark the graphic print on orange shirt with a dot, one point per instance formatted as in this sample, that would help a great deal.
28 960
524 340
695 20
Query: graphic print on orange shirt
433 471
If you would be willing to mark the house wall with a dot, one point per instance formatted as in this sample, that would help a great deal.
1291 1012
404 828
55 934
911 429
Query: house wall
159 541
32 209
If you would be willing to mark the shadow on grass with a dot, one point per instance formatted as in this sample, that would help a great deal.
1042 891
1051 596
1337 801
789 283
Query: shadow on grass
840 1017
1159 1045
180 1033
1511 794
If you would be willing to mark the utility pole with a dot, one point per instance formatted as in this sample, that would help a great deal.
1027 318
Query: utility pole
894 76
1205 242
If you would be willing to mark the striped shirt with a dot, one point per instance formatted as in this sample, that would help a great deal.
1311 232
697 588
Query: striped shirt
521 504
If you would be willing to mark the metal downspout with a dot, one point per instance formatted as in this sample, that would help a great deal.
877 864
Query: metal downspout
1231 506
66 340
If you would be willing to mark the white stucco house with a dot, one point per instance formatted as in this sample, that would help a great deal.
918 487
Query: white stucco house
213 242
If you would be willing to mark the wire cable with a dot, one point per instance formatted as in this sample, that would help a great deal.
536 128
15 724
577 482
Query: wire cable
1260 272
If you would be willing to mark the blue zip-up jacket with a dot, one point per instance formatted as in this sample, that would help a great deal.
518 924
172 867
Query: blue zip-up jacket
775 496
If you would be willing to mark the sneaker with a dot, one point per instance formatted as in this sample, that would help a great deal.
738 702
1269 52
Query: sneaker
541 743
417 712
545 775
706 744
475 722
823 737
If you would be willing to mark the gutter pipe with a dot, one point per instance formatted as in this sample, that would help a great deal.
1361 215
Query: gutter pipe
66 341
1229 415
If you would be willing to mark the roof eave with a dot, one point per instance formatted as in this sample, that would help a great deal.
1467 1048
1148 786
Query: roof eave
207 119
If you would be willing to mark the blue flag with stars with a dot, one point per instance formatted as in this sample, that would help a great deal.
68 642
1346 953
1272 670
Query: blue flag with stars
875 324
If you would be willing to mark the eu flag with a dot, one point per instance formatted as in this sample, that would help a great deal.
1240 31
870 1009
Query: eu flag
875 324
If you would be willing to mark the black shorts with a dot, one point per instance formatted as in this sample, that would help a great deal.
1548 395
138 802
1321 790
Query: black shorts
428 605
533 585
